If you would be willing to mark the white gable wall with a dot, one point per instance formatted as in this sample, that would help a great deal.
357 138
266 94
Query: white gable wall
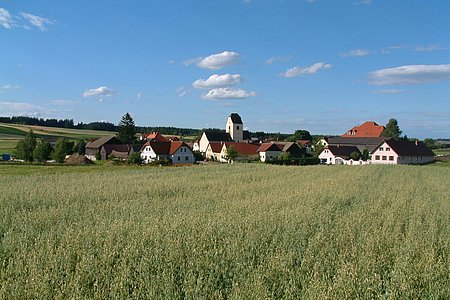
183 155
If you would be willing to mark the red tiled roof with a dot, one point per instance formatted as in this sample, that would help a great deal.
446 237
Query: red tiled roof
243 148
156 136
175 145
368 129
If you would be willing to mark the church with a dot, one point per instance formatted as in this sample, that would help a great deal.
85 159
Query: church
234 132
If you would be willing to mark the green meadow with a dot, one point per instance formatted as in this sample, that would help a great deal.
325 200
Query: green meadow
241 231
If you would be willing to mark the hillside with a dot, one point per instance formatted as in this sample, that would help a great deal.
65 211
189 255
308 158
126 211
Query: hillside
10 134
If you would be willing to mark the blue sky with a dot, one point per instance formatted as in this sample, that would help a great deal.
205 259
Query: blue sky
321 65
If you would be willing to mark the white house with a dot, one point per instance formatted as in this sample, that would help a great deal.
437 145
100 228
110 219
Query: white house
212 136
269 151
178 152
340 155
402 152
213 151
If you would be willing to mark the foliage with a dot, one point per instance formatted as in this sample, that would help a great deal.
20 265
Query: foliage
80 147
317 150
193 233
43 151
392 129
126 129
365 155
134 159
355 155
198 156
284 156
60 151
231 154
24 148
98 156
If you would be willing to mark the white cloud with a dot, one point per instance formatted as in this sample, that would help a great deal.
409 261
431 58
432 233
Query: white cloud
227 93
37 21
313 69
102 91
181 92
275 59
20 109
5 19
355 52
216 81
411 74
215 61
387 91
429 48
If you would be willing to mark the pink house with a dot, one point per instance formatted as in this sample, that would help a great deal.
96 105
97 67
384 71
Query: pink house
402 152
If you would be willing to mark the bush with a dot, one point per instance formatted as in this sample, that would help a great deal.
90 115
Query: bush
295 161
134 159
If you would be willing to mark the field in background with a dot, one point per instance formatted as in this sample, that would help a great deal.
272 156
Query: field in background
243 231
10 134
442 151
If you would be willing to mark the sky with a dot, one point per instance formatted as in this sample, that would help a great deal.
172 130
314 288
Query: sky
320 65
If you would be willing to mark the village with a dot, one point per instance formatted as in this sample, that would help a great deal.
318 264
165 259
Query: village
361 145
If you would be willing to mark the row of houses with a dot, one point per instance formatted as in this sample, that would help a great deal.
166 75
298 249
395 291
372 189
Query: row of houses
381 150
350 148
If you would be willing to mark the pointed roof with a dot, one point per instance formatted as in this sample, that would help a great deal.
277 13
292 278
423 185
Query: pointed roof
367 129
98 143
175 145
404 148
218 136
270 147
235 118
156 136
343 151
216 147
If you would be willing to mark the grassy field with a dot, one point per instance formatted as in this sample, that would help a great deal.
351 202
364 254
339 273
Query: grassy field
442 151
243 231
10 134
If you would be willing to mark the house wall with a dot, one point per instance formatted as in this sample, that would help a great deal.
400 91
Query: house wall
148 155
384 155
203 143
327 157
183 155
268 155
211 155
91 153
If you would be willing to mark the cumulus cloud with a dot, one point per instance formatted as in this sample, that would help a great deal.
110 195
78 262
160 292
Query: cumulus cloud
227 93
313 69
410 74
355 52
217 81
37 21
102 91
6 20
215 61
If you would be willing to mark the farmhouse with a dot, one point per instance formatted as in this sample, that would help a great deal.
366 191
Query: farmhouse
246 151
213 136
269 151
95 146
362 143
339 155
178 152
402 152
366 130
213 151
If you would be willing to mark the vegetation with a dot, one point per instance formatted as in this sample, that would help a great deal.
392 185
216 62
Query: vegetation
60 151
24 148
126 129
225 232
299 135
392 129
43 151
355 155
134 159
231 154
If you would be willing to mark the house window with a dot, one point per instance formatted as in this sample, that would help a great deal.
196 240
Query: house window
391 158
377 157
384 157
179 158
381 148
186 158
237 127
388 149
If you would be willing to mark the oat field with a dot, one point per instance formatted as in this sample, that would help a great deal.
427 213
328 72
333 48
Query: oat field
243 231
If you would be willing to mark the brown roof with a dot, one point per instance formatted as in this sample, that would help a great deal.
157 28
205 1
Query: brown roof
155 136
98 143
405 148
270 147
342 151
175 145
119 154
109 148
167 147
243 148
304 142
367 129
216 147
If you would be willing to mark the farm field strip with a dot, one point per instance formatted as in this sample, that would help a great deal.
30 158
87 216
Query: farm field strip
249 231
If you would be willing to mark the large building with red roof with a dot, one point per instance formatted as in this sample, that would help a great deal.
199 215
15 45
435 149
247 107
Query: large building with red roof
365 130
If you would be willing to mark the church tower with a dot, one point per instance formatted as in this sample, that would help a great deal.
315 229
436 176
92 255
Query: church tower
235 127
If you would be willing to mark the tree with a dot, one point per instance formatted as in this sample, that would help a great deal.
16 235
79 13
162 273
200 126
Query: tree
284 156
42 151
392 129
126 129
303 135
24 148
355 155
365 155
80 148
59 154
231 154
134 159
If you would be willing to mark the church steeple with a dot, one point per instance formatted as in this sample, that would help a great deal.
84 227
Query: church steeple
235 127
